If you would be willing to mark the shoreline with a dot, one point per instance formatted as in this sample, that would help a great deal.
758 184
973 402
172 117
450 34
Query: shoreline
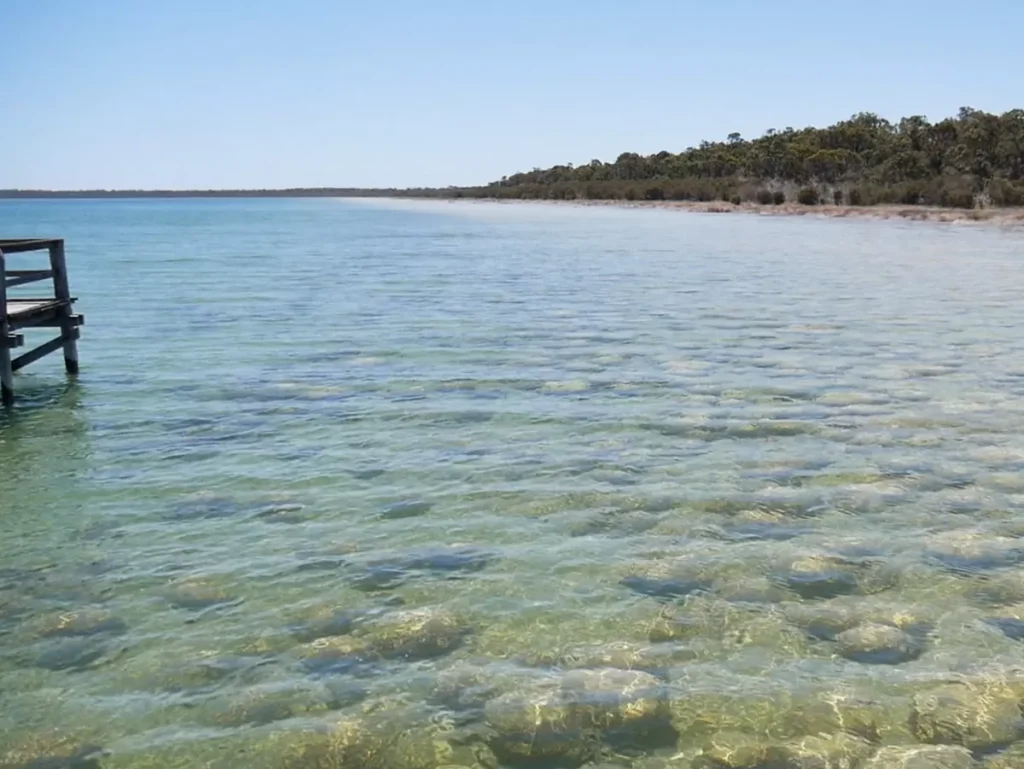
1007 218
999 217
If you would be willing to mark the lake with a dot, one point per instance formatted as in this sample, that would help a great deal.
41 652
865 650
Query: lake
403 485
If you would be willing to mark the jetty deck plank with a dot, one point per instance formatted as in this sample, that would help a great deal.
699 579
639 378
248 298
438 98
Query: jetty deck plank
19 310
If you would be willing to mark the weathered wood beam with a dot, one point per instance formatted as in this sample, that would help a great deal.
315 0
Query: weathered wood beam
62 291
6 367
33 355
21 277
6 378
20 245
53 322
39 299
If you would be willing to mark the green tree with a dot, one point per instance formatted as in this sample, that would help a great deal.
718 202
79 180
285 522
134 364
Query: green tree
950 162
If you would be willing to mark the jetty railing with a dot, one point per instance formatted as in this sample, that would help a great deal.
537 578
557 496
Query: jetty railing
18 313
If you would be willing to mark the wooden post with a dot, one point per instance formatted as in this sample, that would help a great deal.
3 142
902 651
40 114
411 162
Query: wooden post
6 372
63 292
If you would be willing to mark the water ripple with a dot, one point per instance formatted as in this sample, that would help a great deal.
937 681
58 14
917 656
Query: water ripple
622 482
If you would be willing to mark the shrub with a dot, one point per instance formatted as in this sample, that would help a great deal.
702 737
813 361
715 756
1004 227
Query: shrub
1006 193
808 196
957 199
704 193
778 197
911 196
875 194
764 197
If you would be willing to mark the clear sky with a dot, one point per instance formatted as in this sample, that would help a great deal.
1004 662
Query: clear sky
260 93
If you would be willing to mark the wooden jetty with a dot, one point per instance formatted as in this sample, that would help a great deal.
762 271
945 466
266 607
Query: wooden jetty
20 313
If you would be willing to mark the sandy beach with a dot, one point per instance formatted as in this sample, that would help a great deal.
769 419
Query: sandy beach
1000 217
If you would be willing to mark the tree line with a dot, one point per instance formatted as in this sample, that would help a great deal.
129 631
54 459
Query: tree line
975 159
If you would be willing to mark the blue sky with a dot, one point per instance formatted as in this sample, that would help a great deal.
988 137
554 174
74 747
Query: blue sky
252 93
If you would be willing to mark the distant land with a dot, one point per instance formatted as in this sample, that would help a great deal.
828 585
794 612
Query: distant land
294 192
974 160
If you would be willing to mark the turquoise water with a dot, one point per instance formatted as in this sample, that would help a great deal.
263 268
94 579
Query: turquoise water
390 484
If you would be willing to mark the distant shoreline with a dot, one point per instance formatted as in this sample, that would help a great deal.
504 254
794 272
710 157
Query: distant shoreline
1000 217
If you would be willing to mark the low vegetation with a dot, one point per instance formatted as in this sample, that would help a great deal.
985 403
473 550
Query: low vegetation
973 160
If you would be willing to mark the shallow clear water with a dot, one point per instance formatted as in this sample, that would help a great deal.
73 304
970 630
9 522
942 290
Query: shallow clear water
581 437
